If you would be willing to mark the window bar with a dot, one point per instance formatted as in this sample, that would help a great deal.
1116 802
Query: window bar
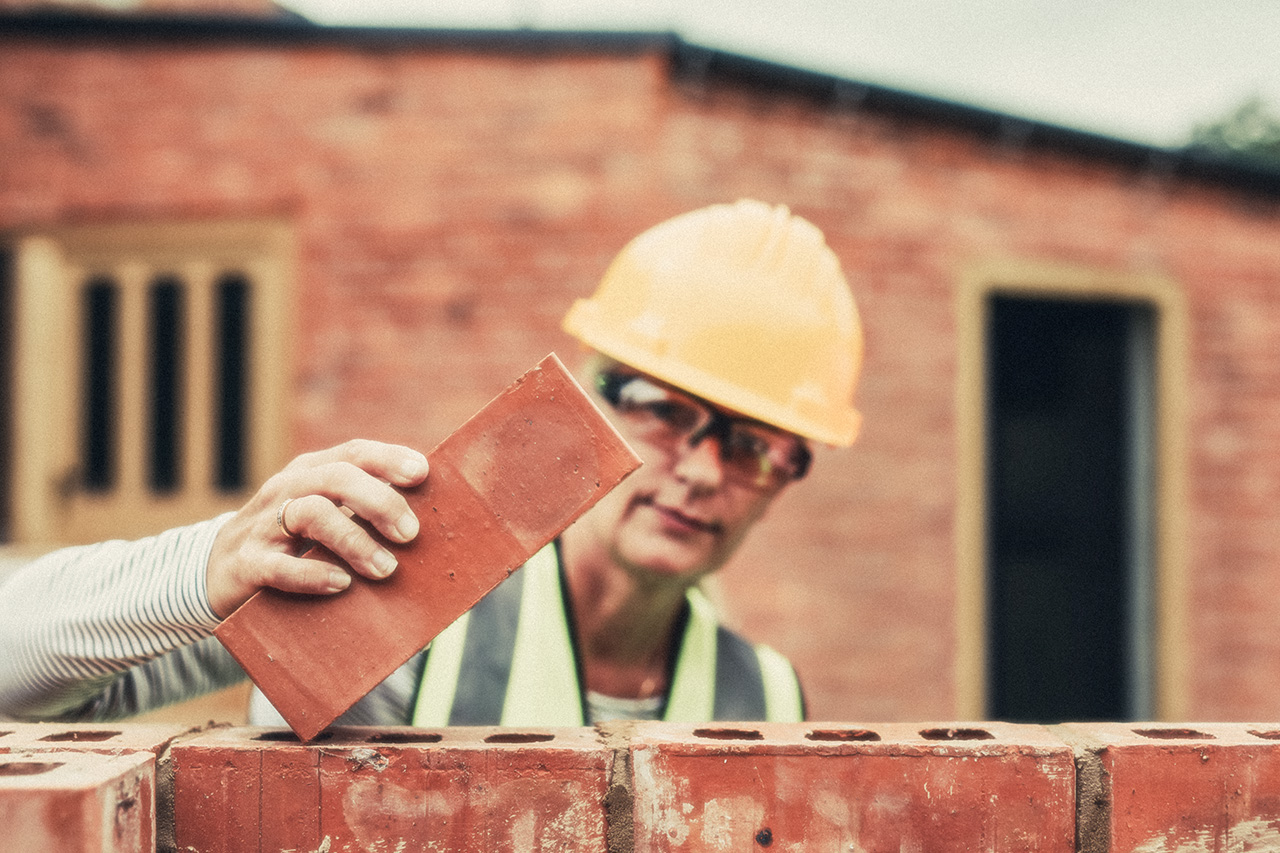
201 358
134 402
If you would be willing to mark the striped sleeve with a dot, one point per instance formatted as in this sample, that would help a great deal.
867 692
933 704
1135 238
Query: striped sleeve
110 629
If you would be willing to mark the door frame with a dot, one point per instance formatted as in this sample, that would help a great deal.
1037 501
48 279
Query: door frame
1169 499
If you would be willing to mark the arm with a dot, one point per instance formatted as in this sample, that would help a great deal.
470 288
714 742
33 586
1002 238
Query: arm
72 622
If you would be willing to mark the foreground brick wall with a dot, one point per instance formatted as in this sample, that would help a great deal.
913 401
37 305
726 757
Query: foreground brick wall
1093 788
450 202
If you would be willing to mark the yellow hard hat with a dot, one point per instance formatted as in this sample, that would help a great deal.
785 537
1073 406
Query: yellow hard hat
741 304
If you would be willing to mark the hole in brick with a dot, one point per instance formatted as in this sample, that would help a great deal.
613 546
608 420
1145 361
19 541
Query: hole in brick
3 734
405 737
519 737
1267 735
79 737
1173 734
957 734
729 734
28 768
290 737
842 734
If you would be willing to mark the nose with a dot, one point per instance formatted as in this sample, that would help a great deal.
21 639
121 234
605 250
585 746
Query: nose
698 462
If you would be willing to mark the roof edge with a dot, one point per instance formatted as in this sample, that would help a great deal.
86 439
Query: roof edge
1255 176
290 29
689 61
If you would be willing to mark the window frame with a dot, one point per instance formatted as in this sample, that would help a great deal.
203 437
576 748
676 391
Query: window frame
51 268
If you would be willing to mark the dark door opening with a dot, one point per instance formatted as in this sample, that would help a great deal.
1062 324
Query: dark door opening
1069 490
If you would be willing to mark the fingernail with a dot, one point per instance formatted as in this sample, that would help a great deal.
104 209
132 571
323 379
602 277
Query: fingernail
384 564
414 468
338 580
407 526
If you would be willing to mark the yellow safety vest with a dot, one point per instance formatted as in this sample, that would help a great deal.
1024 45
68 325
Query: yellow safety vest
510 661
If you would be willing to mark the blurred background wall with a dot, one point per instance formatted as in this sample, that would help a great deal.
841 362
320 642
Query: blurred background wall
230 238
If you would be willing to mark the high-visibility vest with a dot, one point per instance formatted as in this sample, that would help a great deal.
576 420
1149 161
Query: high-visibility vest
510 661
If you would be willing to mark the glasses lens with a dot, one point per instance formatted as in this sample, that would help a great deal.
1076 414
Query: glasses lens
658 413
751 452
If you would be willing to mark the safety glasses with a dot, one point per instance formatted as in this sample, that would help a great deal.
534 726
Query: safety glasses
751 452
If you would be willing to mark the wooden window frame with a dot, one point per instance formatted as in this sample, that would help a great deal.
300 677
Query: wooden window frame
50 270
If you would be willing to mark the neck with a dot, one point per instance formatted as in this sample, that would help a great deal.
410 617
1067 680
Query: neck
625 625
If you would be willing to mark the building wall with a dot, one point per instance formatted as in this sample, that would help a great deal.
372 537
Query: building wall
450 203
909 208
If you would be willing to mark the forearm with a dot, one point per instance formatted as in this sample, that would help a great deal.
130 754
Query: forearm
72 621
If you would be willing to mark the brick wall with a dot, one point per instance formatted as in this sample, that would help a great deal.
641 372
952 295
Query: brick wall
1093 788
451 201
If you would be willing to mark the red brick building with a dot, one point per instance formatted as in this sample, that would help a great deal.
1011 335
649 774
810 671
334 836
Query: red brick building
1067 480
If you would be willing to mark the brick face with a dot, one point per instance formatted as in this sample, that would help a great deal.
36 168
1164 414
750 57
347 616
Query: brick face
923 787
1218 786
451 202
458 789
78 802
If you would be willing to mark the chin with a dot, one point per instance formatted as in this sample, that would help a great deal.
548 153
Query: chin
667 559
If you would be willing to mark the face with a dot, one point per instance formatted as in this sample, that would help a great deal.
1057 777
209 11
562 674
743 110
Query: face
708 476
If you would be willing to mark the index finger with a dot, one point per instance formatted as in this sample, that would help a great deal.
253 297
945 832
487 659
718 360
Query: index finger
395 463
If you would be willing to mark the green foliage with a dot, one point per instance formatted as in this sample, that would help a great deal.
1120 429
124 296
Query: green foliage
1252 128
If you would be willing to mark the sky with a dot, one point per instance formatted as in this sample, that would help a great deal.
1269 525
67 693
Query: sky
1142 70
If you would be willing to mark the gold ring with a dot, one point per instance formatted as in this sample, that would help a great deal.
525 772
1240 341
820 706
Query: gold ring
284 528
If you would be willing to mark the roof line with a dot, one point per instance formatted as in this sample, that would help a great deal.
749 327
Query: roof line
697 63
288 28
690 62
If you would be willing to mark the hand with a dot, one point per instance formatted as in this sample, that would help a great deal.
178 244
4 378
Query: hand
324 490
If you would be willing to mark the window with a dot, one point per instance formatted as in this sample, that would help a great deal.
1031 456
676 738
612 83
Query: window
149 375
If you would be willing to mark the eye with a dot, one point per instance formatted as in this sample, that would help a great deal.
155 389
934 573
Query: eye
674 414
743 444
638 397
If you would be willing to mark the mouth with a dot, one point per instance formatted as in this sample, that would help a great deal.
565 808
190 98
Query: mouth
677 521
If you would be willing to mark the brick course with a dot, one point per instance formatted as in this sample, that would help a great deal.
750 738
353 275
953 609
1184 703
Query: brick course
632 787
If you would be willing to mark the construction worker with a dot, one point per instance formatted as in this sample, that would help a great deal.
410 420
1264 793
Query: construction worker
721 343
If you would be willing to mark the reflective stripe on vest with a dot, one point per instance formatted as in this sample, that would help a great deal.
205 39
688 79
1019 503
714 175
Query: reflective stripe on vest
510 661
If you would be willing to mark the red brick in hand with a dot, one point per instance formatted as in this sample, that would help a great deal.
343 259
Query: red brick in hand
502 486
